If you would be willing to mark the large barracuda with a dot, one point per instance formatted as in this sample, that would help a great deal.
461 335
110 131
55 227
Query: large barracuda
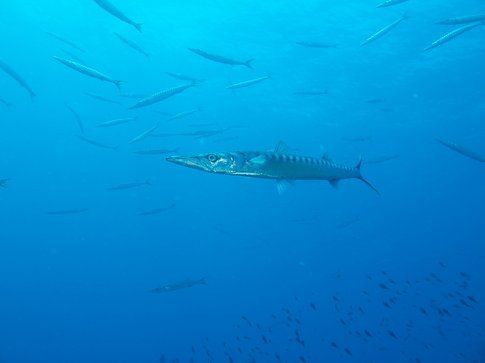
117 13
278 165
452 35
90 72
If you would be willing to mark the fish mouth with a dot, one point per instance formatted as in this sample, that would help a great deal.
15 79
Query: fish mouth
187 161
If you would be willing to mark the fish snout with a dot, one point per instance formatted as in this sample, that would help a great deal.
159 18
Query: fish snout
187 161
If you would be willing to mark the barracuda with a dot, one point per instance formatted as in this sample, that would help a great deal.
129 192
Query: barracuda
277 164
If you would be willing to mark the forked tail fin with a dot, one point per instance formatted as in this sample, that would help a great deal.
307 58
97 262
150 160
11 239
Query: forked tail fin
248 63
360 177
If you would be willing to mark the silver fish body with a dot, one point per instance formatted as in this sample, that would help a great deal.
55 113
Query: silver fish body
117 13
90 72
271 165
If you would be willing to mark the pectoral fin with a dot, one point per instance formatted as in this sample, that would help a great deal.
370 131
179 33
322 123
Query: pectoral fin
282 185
258 160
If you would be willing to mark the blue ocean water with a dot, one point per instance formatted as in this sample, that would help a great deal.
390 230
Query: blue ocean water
312 275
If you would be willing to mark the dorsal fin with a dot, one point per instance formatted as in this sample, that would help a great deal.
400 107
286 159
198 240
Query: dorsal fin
281 148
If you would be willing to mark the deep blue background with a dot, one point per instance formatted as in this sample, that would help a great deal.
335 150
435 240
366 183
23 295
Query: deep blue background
74 288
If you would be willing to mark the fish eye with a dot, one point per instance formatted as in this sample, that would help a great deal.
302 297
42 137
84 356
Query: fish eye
212 158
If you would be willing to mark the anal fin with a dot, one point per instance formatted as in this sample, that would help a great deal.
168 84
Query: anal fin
334 183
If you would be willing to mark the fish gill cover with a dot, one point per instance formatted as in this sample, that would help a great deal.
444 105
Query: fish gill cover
183 181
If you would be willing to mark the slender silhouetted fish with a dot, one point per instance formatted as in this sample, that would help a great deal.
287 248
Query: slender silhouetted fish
161 96
64 212
113 10
452 35
320 45
462 150
6 103
3 183
381 159
96 143
130 185
248 83
79 122
12 73
178 286
221 59
156 151
101 98
90 72
183 114
144 134
310 93
132 45
66 41
383 31
387 3
156 211
277 165
118 121
463 20
184 77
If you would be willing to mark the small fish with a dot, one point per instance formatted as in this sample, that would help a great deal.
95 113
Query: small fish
452 35
12 73
65 212
183 77
132 45
383 286
161 96
313 306
221 59
348 351
79 122
7 104
96 143
130 185
144 134
310 93
66 41
321 45
101 98
387 3
178 286
248 83
462 20
182 114
3 183
383 31
90 72
116 122
392 334
462 150
153 212
156 151
113 10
